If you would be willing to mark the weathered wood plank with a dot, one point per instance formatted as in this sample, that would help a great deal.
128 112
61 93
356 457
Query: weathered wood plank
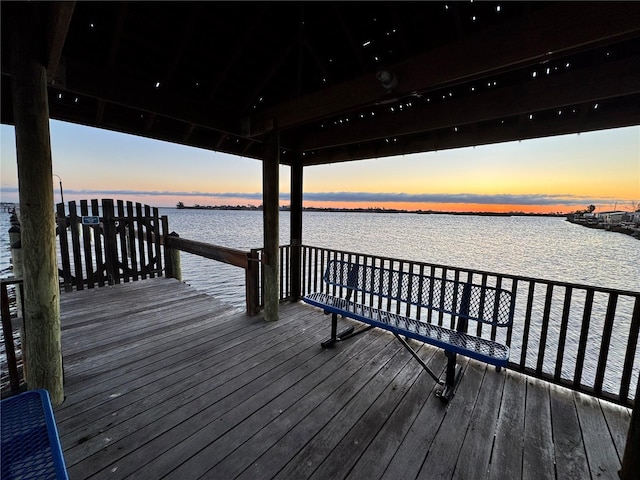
374 461
98 244
346 413
538 454
603 459
119 361
166 425
122 242
229 410
185 369
378 410
570 456
408 459
444 451
64 246
506 461
87 233
231 256
618 420
475 454
271 447
300 402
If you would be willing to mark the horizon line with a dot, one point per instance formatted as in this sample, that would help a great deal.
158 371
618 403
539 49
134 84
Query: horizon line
533 199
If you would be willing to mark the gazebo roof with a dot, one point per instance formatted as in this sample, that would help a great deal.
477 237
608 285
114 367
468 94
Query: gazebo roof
341 81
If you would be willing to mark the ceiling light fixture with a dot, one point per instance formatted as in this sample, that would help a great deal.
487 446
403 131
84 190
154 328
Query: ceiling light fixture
389 80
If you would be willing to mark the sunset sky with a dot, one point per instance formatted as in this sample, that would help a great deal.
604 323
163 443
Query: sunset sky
556 174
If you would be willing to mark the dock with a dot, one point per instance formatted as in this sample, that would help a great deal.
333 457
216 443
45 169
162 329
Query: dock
163 381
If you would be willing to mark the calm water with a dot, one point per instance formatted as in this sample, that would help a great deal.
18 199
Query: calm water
540 247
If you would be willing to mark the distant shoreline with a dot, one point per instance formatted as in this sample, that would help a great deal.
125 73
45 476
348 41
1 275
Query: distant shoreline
374 210
626 229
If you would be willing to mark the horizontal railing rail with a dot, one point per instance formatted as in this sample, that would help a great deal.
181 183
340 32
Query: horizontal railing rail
249 261
580 336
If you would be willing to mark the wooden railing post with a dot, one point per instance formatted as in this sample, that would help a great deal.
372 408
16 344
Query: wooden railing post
172 260
631 459
252 273
295 235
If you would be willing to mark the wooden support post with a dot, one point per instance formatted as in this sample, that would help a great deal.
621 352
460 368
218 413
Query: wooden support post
172 260
37 221
631 458
271 221
252 283
296 228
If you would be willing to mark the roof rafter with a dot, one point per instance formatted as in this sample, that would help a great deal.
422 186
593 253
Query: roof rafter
57 28
618 78
547 35
188 27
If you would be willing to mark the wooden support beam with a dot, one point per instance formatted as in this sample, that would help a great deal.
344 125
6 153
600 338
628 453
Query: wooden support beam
57 28
616 78
271 222
295 236
37 221
484 134
124 88
548 34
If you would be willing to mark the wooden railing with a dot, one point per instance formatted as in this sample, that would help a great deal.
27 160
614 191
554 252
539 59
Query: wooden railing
579 336
239 258
7 331
286 288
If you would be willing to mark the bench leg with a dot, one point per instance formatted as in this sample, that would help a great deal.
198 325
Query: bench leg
403 341
335 336
453 374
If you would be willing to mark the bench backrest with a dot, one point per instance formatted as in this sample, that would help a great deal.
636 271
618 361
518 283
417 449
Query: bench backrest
466 300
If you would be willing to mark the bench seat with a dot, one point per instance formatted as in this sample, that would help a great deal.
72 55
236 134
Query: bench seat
470 346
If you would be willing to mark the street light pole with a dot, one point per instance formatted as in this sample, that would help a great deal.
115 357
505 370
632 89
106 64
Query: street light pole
61 195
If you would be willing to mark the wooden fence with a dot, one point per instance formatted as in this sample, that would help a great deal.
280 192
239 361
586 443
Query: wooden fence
15 379
109 243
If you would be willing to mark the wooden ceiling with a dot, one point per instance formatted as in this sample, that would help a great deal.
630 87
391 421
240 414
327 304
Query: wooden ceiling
340 81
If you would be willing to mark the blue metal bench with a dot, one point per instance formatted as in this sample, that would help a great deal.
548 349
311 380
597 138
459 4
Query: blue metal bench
369 287
30 444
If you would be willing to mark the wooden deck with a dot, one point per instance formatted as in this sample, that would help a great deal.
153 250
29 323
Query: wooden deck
165 382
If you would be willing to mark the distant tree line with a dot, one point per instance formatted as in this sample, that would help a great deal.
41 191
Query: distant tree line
285 208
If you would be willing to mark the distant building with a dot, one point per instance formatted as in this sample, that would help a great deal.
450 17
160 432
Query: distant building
633 218
611 218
